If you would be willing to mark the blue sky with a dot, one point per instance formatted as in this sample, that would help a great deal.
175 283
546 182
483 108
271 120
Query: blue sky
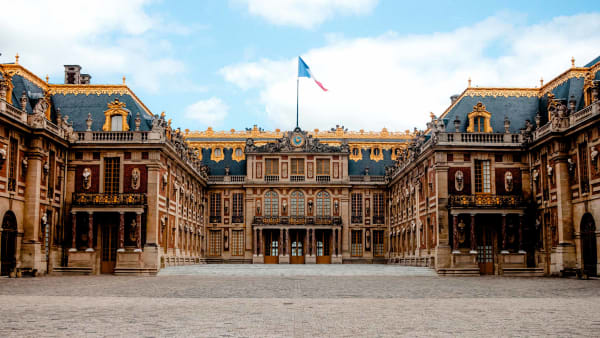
231 64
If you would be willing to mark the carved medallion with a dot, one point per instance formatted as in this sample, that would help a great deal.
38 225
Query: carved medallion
87 178
297 139
459 180
508 181
135 179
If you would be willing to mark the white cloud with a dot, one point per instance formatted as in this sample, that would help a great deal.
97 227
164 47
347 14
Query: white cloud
209 112
108 38
305 13
395 81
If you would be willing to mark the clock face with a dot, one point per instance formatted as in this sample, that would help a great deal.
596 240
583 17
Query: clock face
297 140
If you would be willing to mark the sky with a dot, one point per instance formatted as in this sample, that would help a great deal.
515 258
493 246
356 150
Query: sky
232 64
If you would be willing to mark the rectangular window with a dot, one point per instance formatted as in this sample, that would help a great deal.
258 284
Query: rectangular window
271 166
297 166
356 208
214 243
215 207
378 209
238 208
323 167
111 175
482 177
12 166
51 174
237 243
356 243
378 249
583 168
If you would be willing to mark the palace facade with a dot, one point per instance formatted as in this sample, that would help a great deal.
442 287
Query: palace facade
505 181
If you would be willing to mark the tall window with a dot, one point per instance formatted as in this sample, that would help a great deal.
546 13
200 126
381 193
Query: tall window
116 123
51 174
237 243
378 249
356 249
238 208
214 243
378 209
111 175
479 124
271 166
297 204
215 207
297 166
356 208
583 168
482 177
271 204
323 167
323 204
12 166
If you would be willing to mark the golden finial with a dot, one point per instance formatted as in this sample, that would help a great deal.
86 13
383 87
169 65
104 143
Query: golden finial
47 79
162 114
431 115
573 61
123 79
17 59
469 82
541 81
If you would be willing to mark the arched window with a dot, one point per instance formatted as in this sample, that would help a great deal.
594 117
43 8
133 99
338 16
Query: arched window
479 124
323 204
297 204
271 204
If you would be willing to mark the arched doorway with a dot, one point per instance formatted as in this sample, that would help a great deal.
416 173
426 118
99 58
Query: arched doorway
588 244
8 243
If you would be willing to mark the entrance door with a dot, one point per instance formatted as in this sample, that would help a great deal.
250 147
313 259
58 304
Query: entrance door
588 245
109 247
485 249
271 246
297 241
323 238
8 244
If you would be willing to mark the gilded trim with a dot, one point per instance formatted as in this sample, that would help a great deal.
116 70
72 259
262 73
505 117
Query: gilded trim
356 157
115 108
237 158
376 157
479 110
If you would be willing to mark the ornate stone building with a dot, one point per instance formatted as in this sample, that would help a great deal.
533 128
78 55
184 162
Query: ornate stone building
503 182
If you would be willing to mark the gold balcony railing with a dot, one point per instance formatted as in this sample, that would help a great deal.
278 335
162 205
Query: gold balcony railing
108 199
486 201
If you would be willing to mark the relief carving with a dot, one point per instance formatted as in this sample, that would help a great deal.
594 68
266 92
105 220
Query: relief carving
459 180
135 179
87 178
508 181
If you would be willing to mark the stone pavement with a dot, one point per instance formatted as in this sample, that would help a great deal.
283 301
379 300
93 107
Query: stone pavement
305 301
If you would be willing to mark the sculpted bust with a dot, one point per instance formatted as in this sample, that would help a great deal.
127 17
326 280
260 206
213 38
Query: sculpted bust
459 180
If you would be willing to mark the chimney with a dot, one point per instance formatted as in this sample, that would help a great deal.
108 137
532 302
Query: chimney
453 98
85 78
72 74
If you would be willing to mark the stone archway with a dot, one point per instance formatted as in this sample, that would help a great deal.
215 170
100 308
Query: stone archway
8 243
589 251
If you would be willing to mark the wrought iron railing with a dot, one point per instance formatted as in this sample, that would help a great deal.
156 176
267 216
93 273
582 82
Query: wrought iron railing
98 199
378 219
297 220
486 201
214 219
356 219
237 219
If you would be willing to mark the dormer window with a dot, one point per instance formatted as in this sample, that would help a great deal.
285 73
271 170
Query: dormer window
116 123
479 120
355 154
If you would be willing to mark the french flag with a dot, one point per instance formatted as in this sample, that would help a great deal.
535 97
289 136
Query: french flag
304 71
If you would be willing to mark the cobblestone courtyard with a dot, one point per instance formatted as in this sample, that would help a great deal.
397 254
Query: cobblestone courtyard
334 300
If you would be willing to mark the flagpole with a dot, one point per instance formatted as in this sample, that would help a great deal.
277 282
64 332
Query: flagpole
297 86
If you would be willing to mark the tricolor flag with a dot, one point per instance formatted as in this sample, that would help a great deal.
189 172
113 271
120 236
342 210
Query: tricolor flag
304 71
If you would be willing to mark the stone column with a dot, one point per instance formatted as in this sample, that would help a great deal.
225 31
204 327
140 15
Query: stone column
281 246
339 239
313 244
288 244
504 250
121 232
521 235
73 232
260 242
565 256
473 237
455 234
31 251
138 231
90 232
255 233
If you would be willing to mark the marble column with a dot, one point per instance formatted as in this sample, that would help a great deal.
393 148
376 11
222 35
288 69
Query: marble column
455 234
138 231
521 235
473 238
90 232
121 232
504 250
73 232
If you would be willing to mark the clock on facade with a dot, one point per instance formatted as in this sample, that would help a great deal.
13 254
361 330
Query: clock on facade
297 139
